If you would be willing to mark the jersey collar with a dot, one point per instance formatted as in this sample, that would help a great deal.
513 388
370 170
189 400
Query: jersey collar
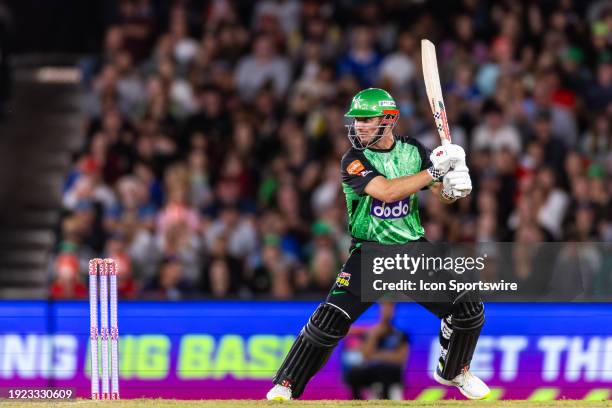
384 150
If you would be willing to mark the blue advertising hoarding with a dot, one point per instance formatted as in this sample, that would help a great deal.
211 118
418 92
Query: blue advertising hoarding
232 349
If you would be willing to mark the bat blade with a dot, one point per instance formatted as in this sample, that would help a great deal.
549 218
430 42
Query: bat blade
434 90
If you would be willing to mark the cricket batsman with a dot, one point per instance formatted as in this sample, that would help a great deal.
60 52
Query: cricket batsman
384 171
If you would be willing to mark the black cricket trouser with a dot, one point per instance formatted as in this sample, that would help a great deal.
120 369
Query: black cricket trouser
346 291
318 339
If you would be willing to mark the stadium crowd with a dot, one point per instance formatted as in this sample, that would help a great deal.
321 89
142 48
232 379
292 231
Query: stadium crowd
214 131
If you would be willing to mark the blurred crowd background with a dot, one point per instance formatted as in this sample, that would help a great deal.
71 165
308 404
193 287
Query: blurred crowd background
213 132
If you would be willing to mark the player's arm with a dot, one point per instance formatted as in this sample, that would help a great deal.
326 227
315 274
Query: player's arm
397 356
390 190
371 352
363 178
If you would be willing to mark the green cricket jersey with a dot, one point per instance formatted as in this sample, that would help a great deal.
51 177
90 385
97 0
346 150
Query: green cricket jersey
371 219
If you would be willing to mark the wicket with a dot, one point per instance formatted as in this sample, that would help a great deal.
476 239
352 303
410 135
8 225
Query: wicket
105 269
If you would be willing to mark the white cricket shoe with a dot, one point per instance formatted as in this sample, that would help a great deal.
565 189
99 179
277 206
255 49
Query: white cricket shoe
279 393
469 385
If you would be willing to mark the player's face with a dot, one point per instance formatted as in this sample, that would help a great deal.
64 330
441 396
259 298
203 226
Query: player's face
367 128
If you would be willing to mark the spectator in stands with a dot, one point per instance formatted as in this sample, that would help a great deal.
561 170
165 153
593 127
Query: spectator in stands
362 61
554 202
263 66
230 265
170 282
398 68
136 21
126 285
219 279
599 94
554 148
273 274
6 28
72 241
597 140
323 270
495 133
212 135
133 203
562 122
67 283
384 356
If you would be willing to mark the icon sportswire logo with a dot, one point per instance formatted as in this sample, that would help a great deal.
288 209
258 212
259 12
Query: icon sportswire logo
385 211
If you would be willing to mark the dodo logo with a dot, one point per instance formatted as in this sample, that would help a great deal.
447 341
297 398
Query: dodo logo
397 209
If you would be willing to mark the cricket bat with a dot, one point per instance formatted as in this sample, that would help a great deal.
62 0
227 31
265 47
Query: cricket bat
434 90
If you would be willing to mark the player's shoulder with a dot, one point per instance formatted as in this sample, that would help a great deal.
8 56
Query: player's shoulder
409 140
413 141
352 154
354 161
422 150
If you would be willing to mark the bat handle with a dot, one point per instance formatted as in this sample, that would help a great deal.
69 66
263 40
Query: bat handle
445 142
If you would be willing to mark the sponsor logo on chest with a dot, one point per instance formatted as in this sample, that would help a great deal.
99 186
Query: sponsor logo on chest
387 211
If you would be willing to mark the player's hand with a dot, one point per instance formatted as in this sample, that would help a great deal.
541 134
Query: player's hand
443 158
457 184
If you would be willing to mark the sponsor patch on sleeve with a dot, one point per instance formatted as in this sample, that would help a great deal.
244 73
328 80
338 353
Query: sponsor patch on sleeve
355 167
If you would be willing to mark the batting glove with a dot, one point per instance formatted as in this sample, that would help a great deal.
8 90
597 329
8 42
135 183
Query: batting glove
443 158
456 184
